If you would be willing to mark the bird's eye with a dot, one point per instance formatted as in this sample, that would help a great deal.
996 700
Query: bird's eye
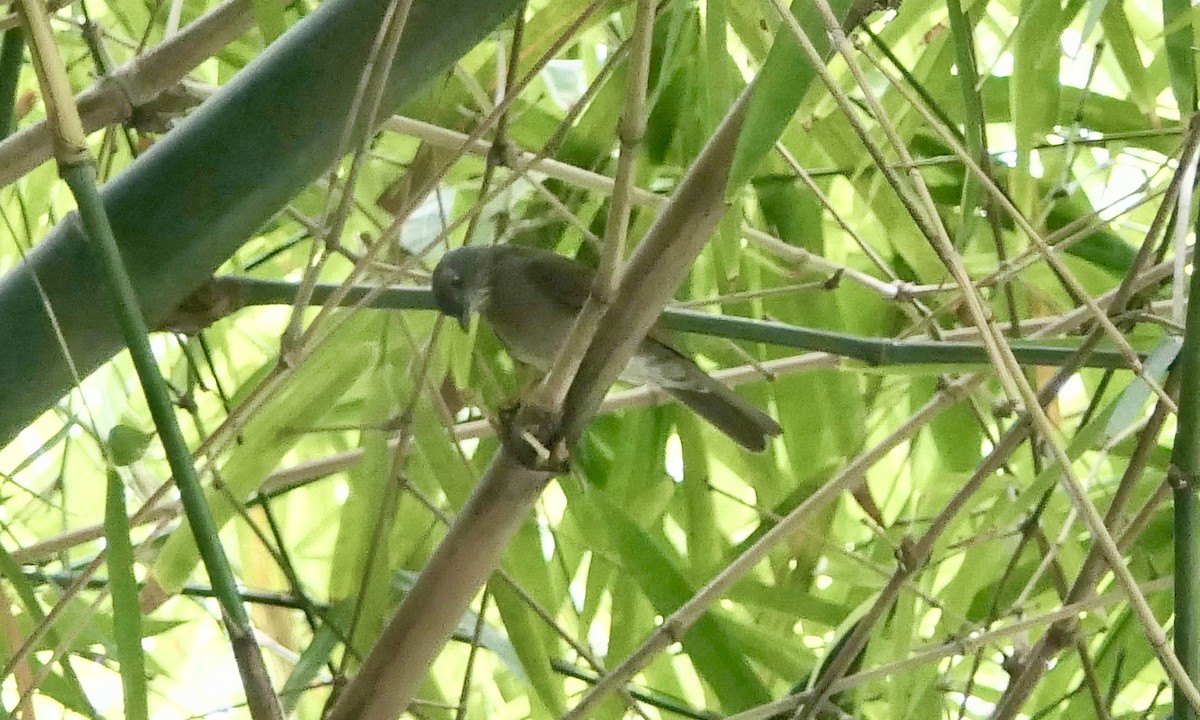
456 281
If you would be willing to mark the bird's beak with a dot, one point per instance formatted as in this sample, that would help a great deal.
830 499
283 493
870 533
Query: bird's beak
451 285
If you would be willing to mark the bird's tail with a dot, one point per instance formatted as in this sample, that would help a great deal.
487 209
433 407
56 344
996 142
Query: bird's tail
727 411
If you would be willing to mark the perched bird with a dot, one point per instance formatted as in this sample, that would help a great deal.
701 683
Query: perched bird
530 297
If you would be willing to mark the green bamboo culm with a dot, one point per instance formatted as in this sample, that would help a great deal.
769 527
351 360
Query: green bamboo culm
880 352
81 178
183 207
1185 473
12 52
241 292
975 123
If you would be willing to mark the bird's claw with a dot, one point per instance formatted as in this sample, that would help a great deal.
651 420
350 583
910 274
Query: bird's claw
530 436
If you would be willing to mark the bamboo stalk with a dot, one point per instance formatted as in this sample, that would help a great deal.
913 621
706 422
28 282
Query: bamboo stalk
1185 475
231 293
78 169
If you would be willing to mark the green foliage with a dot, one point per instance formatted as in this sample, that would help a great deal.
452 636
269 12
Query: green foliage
127 444
335 448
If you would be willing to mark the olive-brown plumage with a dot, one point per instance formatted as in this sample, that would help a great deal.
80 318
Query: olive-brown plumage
530 297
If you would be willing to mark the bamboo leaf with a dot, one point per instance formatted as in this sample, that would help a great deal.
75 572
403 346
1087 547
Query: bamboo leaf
127 615
782 83
715 652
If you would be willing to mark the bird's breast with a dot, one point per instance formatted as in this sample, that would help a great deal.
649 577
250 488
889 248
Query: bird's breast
532 332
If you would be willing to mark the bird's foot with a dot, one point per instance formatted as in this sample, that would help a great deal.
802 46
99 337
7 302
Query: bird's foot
531 435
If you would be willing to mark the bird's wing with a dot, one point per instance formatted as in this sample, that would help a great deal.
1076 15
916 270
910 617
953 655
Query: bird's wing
570 282
566 281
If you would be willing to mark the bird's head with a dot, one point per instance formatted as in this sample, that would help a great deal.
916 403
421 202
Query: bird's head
458 283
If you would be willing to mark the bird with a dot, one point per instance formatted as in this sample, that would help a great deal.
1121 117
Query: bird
530 297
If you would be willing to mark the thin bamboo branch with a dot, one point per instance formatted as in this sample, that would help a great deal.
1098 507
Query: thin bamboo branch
280 480
1059 241
46 622
1091 572
526 162
543 614
22 671
677 624
916 199
657 267
876 259
466 557
231 293
391 234
464 693
13 18
303 473
318 330
368 95
552 391
239 415
375 565
1061 271
142 199
917 555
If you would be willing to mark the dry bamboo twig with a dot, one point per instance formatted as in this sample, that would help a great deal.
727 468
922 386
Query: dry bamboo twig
155 510
527 163
657 201
552 391
295 352
679 621
269 385
22 672
368 95
1020 390
1061 271
916 199
972 642
543 614
659 264
1090 573
114 98
915 556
